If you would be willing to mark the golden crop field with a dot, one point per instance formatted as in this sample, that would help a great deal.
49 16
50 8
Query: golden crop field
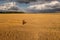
37 27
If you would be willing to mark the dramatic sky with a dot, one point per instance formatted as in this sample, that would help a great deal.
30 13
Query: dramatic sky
36 6
28 0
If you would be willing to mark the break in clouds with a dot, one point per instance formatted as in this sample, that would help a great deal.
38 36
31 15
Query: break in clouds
29 5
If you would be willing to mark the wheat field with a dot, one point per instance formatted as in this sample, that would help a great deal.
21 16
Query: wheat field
37 27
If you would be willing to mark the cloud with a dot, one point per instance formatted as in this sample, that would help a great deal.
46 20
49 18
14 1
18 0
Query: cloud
52 6
11 6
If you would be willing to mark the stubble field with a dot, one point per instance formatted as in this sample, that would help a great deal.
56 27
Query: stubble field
37 26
